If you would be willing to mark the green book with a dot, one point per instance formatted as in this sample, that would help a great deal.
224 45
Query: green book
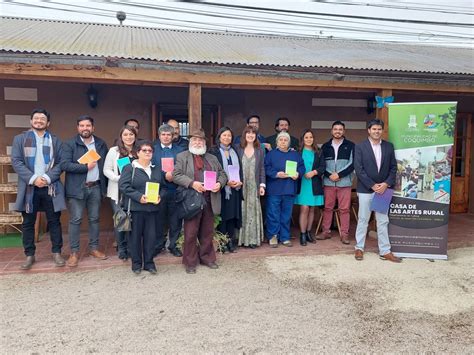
152 192
290 168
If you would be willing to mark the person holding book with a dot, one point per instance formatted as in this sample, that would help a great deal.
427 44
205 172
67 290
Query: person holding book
164 157
117 158
83 161
283 168
338 155
310 187
231 199
251 155
192 168
140 184
376 167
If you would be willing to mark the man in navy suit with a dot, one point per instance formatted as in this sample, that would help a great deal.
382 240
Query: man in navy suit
375 167
166 151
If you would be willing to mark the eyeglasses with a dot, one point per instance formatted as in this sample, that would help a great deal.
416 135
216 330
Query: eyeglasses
147 150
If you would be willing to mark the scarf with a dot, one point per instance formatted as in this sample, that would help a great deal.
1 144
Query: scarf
225 164
29 150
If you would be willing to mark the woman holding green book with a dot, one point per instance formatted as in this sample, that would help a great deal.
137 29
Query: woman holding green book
283 168
118 156
310 187
139 183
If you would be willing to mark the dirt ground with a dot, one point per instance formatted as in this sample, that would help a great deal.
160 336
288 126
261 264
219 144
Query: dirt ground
304 304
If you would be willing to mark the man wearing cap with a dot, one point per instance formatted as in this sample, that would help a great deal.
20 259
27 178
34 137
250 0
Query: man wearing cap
189 174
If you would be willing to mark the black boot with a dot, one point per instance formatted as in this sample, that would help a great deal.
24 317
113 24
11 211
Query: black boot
303 239
309 237
231 246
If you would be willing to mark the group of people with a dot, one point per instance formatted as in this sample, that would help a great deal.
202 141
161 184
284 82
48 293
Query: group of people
282 169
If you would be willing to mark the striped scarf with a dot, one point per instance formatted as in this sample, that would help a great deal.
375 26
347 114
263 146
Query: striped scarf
29 149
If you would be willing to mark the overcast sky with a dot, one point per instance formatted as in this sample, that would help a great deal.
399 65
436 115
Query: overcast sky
424 22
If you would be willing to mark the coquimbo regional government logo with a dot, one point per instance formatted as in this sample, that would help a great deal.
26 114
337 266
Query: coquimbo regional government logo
429 122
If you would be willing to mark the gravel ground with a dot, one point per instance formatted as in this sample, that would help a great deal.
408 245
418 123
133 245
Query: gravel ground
304 304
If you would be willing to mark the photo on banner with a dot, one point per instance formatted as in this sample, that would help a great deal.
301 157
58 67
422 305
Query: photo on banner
423 138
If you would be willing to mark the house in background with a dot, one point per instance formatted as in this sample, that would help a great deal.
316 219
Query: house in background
213 79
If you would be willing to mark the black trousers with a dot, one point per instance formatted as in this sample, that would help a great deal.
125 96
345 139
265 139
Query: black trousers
42 202
143 239
228 227
168 221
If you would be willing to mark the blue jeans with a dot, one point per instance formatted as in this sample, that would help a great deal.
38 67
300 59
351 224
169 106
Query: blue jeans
91 201
278 209
382 225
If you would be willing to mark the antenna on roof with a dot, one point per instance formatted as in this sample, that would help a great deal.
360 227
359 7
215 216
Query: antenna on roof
121 16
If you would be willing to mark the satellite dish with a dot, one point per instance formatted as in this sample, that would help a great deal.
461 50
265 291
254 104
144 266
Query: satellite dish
121 16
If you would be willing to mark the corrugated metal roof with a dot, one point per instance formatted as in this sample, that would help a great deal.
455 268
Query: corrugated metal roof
88 39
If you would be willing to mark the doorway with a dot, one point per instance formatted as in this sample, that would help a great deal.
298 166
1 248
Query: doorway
211 118
461 165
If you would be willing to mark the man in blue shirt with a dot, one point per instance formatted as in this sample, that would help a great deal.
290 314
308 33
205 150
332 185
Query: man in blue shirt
36 158
85 186
164 156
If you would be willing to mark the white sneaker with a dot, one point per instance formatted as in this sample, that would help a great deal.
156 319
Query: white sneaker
274 242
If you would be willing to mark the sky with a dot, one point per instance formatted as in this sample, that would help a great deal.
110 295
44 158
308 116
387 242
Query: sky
447 23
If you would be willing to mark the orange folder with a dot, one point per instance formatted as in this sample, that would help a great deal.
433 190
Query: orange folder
89 157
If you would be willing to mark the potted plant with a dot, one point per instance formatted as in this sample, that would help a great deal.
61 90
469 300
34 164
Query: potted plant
220 240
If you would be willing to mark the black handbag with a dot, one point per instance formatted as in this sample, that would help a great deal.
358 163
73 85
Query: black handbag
123 219
190 202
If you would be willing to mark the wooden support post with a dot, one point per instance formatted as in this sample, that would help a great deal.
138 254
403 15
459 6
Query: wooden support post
194 107
382 113
154 126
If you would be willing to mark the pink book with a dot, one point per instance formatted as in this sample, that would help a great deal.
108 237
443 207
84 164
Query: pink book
167 165
234 173
210 179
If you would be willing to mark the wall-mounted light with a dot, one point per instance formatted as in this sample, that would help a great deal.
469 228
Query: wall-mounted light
92 96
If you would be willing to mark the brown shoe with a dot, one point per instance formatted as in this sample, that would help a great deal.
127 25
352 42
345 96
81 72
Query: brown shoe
73 260
345 239
359 255
98 255
323 236
390 257
190 270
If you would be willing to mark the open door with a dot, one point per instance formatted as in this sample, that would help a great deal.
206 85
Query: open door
461 163
211 118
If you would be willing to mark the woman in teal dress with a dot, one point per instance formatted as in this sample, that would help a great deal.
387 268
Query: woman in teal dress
310 187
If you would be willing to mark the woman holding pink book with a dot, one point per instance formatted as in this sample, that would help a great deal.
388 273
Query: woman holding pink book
231 198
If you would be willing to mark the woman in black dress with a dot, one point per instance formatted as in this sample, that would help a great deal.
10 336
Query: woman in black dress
231 196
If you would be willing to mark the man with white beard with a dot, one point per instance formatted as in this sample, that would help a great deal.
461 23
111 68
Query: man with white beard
189 173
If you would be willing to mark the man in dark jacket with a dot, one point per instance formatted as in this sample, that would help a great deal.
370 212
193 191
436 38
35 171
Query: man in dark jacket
166 150
177 139
282 124
338 154
376 168
36 158
85 186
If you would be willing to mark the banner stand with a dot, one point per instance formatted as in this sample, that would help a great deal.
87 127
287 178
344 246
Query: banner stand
423 137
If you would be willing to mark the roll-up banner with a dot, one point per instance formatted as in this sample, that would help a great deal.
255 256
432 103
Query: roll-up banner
423 138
